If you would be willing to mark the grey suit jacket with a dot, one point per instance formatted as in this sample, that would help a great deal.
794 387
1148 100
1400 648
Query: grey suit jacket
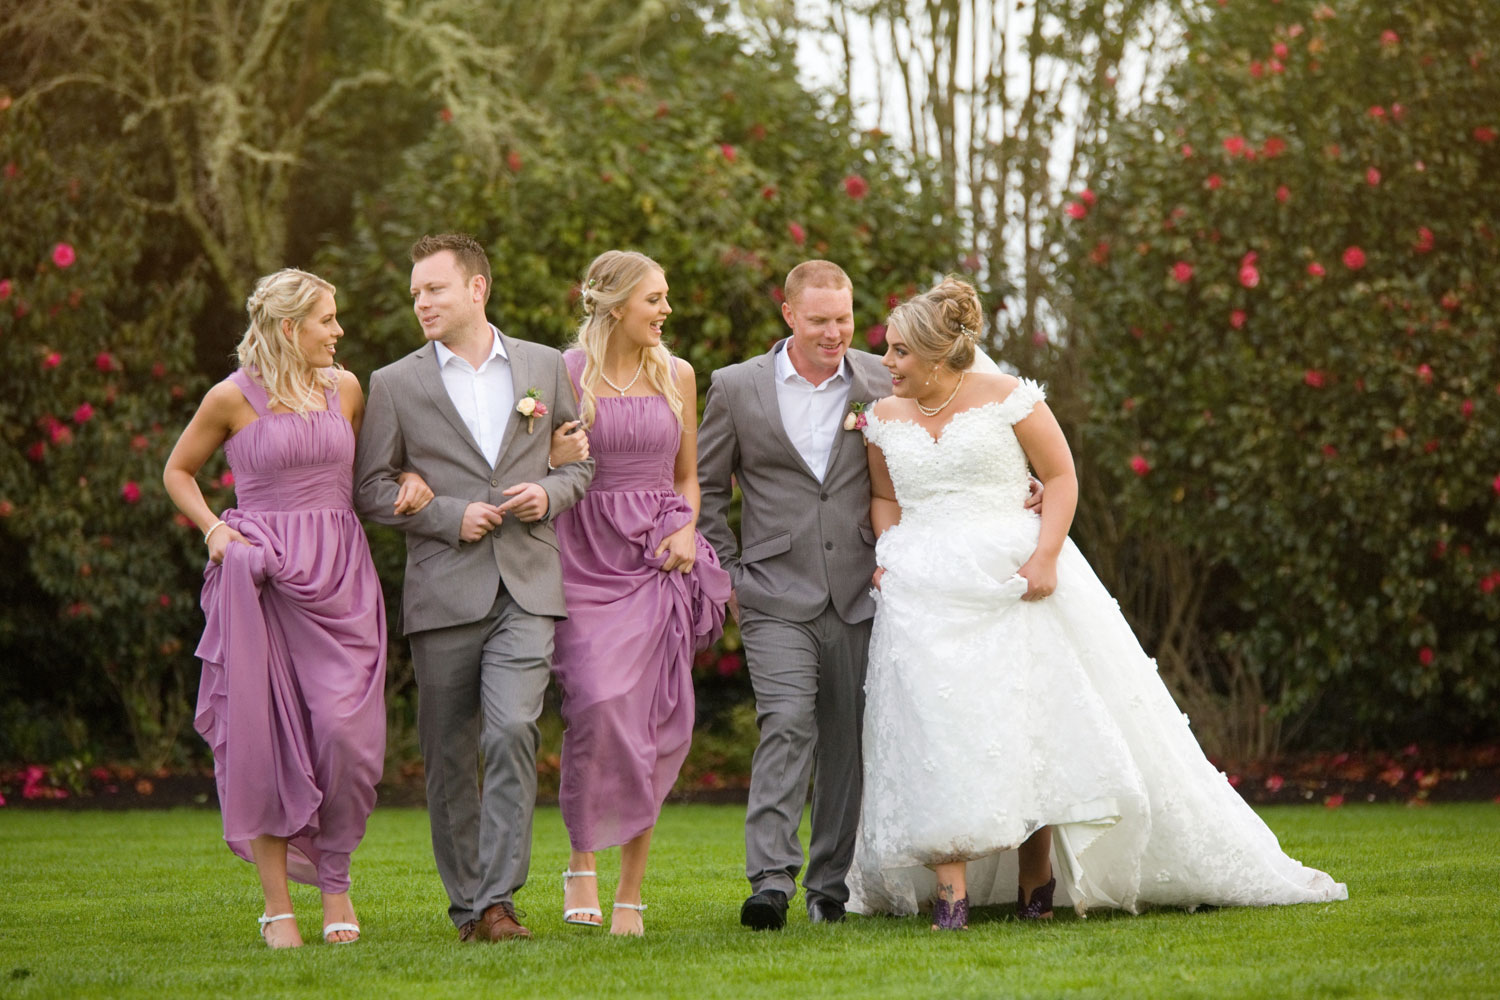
411 423
804 542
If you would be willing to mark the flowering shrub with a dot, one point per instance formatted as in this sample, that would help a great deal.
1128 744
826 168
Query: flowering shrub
1291 353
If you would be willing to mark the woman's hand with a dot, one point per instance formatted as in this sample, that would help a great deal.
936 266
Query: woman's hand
568 447
681 548
413 493
219 541
1040 574
875 580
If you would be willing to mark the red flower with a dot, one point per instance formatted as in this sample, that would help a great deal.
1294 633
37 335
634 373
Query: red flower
1424 372
1424 242
6 508
1249 275
1372 177
1182 272
1450 302
798 234
729 664
5 289
106 362
1425 656
131 492
1187 151
139 443
1376 111
1256 69
1333 801
1139 465
875 335
1398 112
1313 377
758 131
1283 193
663 109
768 192
1087 196
1466 408
1273 147
63 255
227 479
1234 145
1496 484
83 414
728 152
1274 783
1279 50
513 161
1214 182
445 115
52 361
38 451
1330 451
1315 269
1237 318
1076 209
1389 38
1484 134
1100 254
856 186
1354 258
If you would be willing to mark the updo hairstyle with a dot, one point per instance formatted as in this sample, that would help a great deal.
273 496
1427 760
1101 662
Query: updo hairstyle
271 354
942 325
607 285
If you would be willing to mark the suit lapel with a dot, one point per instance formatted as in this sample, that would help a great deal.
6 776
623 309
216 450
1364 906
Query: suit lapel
765 388
520 377
861 390
430 378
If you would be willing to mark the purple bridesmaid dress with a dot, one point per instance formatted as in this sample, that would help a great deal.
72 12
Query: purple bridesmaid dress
292 699
624 656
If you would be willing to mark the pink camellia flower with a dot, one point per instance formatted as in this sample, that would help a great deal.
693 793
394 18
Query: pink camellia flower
6 508
1450 302
1187 151
1273 147
797 233
1279 50
1274 783
106 362
1249 275
1088 196
729 664
1214 182
1425 240
856 186
1376 111
83 414
1330 451
875 335
1100 254
1466 408
131 491
768 192
1484 134
1313 377
38 451
1076 210
1182 272
5 289
1496 484
1256 69
728 152
52 360
1425 656
1139 465
445 115
1389 38
63 255
1234 145
1424 372
514 162
1237 318
1276 66
1372 177
1315 269
1333 801
1283 193
1354 258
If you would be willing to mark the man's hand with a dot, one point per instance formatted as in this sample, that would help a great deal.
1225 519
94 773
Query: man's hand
875 580
527 500
1034 498
479 520
568 447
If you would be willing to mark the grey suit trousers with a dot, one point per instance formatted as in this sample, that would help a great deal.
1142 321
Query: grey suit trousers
809 679
479 693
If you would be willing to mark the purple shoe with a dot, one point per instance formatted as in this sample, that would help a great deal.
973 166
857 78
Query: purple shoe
948 916
1040 907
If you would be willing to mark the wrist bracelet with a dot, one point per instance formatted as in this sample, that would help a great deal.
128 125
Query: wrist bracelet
211 529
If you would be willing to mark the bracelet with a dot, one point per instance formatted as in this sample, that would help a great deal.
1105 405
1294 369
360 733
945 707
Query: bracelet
550 466
211 529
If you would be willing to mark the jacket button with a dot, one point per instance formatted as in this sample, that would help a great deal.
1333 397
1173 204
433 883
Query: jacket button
494 482
822 496
828 545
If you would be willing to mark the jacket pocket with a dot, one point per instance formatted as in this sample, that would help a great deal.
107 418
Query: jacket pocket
764 549
543 532
867 533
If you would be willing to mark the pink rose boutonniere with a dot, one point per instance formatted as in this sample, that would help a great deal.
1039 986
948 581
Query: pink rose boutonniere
855 419
531 407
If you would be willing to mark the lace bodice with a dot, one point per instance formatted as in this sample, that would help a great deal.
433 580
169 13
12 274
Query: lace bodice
974 469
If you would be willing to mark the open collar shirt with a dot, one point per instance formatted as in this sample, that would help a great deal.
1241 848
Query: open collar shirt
811 414
483 396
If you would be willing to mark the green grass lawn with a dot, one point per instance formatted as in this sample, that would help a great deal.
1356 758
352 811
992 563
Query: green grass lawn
151 904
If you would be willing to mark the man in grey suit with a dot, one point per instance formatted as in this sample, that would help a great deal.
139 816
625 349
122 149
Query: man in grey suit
775 424
483 584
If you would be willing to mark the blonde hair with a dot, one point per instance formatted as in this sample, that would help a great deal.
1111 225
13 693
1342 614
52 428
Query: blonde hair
277 360
814 274
608 284
942 325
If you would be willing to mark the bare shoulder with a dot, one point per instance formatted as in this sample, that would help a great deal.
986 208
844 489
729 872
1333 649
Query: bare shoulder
682 370
349 383
224 398
994 387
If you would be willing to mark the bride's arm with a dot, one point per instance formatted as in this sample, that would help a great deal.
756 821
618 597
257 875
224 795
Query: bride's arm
1047 451
884 510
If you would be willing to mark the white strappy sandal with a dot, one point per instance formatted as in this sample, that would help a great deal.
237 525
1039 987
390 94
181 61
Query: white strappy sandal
637 907
580 911
264 919
337 926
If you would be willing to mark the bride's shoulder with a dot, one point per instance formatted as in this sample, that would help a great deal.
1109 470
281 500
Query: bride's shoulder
993 387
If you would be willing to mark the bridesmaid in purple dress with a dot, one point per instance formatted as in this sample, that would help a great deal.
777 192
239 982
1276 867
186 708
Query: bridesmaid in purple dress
292 695
644 590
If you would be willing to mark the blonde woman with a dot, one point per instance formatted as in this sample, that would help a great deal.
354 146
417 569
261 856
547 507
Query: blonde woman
292 695
644 590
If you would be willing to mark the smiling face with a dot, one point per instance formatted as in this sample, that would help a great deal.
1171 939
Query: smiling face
317 336
908 372
640 317
447 303
822 322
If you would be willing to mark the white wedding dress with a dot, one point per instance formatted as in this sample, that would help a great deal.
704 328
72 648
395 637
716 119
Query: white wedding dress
988 717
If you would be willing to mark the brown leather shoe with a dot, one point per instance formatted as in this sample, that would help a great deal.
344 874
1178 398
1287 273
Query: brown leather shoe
499 923
467 929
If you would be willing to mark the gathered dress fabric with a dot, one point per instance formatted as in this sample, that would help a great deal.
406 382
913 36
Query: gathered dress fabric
624 655
988 717
292 696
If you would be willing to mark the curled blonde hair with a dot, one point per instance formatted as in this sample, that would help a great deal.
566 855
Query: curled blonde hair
942 325
608 284
274 356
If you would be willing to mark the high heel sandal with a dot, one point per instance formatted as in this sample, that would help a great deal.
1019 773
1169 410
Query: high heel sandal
569 912
1040 906
952 916
265 919
637 907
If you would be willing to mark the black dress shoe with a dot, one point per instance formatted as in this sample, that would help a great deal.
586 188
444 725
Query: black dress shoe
765 911
825 911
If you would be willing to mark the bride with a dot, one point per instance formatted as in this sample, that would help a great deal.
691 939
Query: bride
1008 703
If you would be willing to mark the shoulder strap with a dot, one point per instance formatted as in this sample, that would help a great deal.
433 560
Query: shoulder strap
252 390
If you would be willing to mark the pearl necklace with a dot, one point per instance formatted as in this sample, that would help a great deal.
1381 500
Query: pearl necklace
932 411
638 369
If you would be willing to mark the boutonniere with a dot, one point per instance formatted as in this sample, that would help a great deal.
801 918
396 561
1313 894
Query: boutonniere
855 420
531 407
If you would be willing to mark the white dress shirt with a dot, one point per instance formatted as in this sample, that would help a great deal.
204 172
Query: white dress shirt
483 396
813 415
